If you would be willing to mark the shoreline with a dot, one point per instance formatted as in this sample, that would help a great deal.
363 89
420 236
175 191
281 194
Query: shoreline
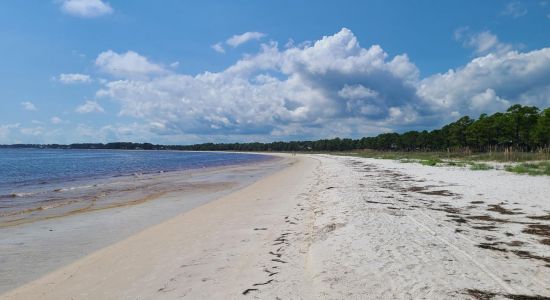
88 194
36 247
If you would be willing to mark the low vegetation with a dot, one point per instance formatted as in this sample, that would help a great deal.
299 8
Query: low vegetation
524 163
450 158
431 162
533 168
480 167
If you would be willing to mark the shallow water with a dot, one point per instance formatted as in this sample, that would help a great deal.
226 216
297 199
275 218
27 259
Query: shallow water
34 180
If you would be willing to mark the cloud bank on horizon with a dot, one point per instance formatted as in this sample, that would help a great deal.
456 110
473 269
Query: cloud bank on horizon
332 87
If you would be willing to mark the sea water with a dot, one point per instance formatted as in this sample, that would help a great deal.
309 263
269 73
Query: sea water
39 178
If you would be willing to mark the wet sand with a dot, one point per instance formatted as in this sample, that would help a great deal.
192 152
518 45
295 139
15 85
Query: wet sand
329 227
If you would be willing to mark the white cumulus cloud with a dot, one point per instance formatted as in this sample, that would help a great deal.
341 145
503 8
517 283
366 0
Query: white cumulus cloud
514 9
318 84
29 106
492 82
488 101
482 42
356 92
56 120
218 48
239 39
330 87
74 78
86 8
90 107
128 65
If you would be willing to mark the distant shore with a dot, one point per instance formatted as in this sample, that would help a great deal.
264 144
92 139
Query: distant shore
334 227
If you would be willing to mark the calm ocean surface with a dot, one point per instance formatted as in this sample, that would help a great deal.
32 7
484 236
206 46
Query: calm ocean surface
31 171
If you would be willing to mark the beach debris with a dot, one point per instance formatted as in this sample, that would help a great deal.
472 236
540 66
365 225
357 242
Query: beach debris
488 218
526 254
486 227
264 283
515 243
245 292
376 202
544 218
276 254
501 210
491 246
270 273
538 229
485 295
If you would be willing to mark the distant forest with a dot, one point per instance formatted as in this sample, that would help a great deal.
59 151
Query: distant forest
522 128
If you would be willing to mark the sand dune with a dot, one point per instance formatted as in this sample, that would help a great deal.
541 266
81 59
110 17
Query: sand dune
331 227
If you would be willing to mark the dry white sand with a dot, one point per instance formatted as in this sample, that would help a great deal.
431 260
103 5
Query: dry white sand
332 227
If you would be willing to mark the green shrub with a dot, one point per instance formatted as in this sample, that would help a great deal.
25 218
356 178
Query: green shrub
431 162
542 168
453 163
480 167
407 161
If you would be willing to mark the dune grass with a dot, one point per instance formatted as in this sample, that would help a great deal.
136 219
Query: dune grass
431 161
452 156
535 169
455 163
480 167
530 163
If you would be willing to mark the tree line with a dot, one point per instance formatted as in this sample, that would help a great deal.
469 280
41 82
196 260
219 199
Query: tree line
523 128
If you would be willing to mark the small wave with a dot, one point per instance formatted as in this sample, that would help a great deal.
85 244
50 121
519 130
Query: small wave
55 204
25 210
45 191
73 188
16 195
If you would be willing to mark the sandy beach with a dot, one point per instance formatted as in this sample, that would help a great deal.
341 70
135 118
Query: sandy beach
333 227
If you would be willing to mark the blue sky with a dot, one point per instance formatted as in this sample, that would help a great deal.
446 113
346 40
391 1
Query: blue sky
214 71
